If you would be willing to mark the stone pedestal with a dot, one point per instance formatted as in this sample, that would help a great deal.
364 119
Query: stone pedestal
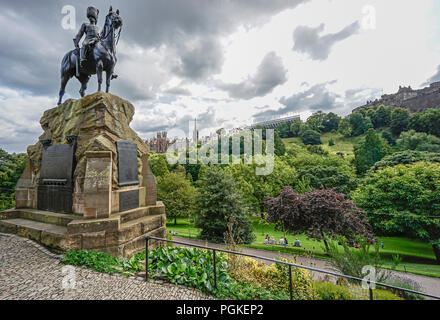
98 122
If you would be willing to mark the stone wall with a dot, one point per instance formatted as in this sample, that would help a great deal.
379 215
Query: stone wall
413 100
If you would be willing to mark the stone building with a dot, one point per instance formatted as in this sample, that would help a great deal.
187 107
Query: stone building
160 143
413 100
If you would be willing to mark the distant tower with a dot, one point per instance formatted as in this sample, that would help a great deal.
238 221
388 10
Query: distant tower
195 137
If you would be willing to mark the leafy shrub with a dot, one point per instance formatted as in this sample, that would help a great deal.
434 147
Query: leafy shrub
328 177
94 260
405 283
406 157
188 266
380 294
274 277
360 293
331 291
317 150
331 142
351 261
311 137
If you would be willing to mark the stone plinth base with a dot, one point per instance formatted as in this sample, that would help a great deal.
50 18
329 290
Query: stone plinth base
122 234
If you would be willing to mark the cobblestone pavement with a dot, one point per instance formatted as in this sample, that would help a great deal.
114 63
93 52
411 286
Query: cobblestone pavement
29 271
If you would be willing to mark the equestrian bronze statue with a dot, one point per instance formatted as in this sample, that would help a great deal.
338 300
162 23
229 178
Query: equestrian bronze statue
97 54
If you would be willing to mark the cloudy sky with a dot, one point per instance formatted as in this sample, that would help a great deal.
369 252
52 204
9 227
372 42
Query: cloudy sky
227 62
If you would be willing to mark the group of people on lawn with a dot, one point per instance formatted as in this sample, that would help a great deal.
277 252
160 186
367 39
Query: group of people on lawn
283 241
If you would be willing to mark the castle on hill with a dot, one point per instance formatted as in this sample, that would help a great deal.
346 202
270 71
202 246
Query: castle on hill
413 100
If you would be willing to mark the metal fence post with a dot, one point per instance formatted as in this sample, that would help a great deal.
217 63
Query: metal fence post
371 290
290 282
147 251
215 269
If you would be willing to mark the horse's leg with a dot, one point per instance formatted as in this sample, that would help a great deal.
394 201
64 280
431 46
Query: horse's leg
84 80
109 75
99 68
64 79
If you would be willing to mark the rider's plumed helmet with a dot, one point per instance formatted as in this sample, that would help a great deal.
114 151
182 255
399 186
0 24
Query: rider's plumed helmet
92 12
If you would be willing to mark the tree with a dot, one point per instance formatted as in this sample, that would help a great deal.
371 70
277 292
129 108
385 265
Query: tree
314 122
311 137
388 136
421 141
284 130
177 194
330 122
217 202
255 187
372 149
431 120
383 116
11 168
344 128
297 128
279 147
328 177
406 157
399 121
158 164
416 122
403 200
320 214
359 123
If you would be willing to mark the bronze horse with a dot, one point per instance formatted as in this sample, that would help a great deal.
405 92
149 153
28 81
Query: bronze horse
101 58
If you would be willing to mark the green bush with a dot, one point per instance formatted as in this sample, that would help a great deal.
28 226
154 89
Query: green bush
311 137
331 291
331 142
94 260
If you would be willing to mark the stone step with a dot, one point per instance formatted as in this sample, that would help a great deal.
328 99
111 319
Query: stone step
60 219
134 214
135 245
48 234
137 227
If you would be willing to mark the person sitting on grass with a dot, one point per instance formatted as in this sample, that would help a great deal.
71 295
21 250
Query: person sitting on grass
297 243
266 240
272 240
282 241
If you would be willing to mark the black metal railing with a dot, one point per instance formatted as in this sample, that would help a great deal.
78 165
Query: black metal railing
215 250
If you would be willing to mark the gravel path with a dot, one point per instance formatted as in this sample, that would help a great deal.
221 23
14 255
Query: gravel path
28 271
430 285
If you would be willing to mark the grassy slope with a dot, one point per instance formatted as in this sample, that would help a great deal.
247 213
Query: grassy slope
342 144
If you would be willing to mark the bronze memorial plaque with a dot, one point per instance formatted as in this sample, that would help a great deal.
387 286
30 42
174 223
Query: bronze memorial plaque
55 188
127 163
128 200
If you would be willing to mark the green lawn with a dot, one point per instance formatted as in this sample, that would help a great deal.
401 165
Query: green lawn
417 256
342 144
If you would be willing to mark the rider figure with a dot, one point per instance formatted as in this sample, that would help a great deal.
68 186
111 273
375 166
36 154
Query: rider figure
91 32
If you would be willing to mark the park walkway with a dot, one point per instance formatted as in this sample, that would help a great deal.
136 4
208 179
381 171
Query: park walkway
30 272
430 285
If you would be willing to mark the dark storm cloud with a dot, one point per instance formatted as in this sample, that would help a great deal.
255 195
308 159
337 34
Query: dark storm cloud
318 97
270 74
35 42
308 40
